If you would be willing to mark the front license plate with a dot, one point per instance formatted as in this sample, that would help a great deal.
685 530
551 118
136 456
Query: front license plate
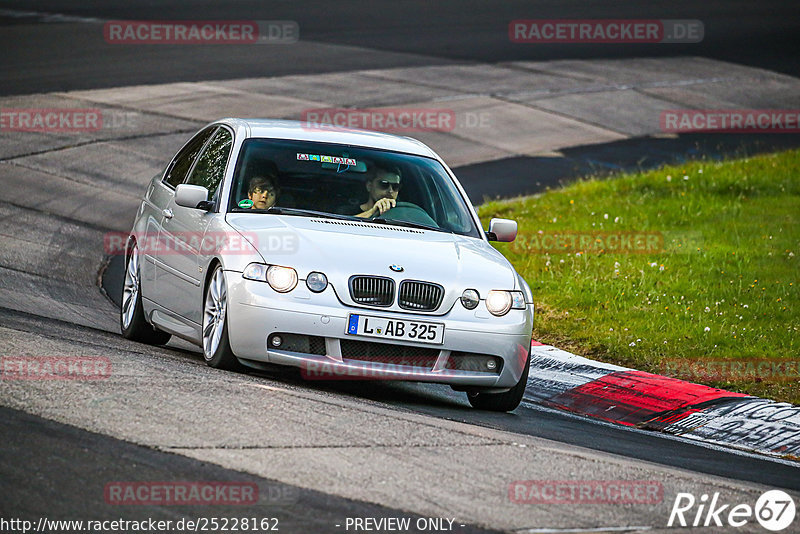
400 329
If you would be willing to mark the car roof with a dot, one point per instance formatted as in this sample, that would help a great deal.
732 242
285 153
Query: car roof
302 131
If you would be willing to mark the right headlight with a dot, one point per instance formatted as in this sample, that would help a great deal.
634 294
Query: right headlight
500 302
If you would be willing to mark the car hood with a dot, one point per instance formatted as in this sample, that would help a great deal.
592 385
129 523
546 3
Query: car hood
342 248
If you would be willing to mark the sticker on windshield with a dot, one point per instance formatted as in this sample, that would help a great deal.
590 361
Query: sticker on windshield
326 159
246 203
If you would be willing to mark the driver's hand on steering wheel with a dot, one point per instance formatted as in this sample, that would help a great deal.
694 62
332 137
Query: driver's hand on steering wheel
382 206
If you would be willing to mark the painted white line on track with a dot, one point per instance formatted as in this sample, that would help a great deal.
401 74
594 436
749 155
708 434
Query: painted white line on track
41 16
637 528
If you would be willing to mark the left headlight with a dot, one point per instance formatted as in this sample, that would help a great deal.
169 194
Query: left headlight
255 271
281 279
500 302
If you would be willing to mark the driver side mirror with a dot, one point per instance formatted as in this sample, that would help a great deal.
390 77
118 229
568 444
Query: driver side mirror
192 196
503 230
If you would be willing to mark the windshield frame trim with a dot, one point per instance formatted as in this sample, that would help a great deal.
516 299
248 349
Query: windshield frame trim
232 208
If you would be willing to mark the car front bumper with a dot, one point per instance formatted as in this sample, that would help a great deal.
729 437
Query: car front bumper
255 312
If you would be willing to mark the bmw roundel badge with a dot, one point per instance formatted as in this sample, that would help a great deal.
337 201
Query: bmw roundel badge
396 268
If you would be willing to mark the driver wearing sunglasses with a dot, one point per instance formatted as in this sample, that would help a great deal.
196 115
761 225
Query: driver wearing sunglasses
382 189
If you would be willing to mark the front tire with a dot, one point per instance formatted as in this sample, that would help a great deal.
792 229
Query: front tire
131 313
502 402
216 345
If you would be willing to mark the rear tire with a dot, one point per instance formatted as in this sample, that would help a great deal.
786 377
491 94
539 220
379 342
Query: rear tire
131 313
216 345
502 402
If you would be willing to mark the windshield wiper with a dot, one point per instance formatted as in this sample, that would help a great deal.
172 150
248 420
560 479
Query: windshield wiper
400 222
307 213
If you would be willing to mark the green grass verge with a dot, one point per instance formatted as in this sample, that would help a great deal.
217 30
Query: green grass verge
711 295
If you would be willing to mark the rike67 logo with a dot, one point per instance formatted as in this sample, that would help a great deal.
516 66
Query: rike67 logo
774 510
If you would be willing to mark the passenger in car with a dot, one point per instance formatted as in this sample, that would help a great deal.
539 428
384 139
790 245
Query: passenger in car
382 188
263 191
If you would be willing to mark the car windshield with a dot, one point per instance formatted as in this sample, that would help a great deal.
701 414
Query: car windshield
318 179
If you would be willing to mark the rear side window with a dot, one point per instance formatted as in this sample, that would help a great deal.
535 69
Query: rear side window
211 165
183 161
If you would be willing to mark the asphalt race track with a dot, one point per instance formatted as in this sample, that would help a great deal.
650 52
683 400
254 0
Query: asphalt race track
356 35
322 452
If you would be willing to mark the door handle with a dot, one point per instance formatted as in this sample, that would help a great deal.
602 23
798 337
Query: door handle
167 213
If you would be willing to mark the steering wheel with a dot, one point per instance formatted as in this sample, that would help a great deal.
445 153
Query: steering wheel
407 211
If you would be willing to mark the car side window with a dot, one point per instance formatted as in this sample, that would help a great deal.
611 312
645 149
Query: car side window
178 170
210 166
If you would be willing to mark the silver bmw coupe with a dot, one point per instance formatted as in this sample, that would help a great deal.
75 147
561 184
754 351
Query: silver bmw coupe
351 254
